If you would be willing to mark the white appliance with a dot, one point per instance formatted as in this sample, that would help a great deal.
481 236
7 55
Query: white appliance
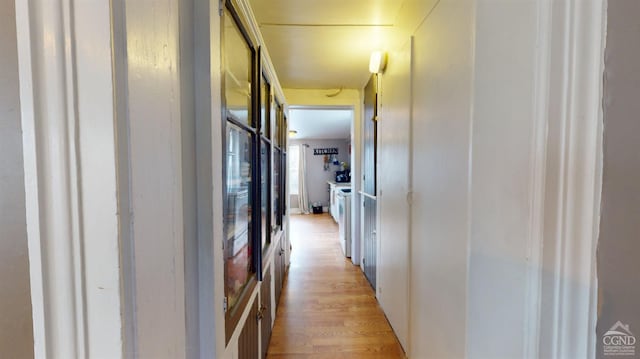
344 220
334 189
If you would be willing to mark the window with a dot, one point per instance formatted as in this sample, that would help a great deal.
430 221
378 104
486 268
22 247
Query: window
294 163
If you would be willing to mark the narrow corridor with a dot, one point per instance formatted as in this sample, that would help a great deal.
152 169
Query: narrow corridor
327 309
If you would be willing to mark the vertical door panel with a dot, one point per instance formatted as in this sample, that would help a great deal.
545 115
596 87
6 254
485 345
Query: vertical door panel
394 145
265 309
370 242
279 270
369 181
248 341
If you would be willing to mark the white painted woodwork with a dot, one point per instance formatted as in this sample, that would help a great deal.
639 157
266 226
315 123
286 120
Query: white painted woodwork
207 110
66 92
394 187
441 124
119 43
503 156
573 180
16 328
190 171
217 154
156 176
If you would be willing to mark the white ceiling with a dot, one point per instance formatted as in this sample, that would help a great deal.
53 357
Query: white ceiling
325 44
320 123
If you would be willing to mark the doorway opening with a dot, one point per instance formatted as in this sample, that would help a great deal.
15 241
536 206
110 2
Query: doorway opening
321 157
320 148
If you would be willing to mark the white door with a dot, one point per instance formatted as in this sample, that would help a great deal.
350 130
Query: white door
393 184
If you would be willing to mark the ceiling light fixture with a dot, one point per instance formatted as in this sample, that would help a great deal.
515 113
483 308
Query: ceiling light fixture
377 62
293 133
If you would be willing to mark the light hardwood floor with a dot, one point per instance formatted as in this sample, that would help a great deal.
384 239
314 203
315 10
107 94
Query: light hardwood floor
327 308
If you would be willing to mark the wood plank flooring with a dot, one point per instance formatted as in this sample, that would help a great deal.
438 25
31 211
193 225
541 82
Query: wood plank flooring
327 308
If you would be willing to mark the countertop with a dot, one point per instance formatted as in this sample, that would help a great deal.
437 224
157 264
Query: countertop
338 184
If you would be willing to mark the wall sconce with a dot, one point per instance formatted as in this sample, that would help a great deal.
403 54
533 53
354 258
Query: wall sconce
377 62
293 133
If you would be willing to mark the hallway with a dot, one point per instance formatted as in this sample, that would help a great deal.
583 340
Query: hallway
152 156
327 309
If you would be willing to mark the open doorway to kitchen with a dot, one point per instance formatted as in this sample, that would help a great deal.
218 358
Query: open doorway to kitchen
320 150
320 162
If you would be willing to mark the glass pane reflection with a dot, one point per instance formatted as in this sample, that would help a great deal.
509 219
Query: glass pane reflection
277 165
238 212
237 80
264 190
265 128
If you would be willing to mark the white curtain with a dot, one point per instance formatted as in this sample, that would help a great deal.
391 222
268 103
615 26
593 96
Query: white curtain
303 192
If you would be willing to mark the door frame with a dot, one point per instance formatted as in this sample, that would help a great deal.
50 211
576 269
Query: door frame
562 299
71 176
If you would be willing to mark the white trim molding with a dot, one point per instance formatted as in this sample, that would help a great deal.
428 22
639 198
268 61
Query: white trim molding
66 93
565 257
537 173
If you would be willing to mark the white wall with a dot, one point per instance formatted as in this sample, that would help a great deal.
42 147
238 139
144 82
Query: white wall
503 135
16 332
442 84
317 177
497 112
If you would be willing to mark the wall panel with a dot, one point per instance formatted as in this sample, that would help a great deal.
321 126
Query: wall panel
442 83
503 134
